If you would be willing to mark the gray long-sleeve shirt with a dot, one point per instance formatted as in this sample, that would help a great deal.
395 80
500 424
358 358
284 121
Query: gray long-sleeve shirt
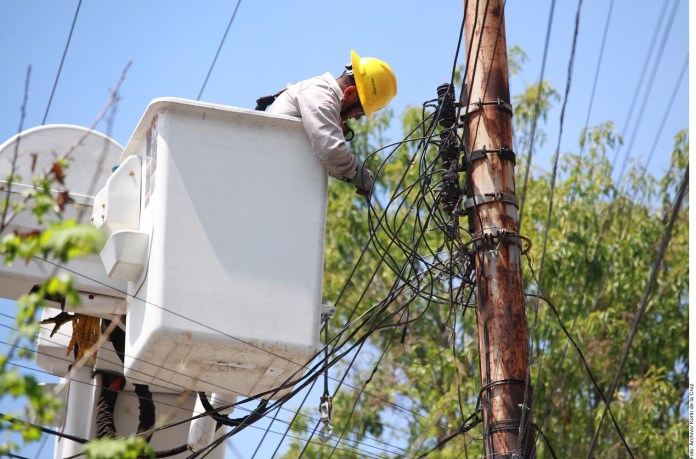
318 102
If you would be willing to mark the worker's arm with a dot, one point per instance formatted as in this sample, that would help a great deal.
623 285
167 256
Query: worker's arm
320 111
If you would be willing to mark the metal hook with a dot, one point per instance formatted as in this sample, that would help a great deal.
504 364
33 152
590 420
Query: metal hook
325 409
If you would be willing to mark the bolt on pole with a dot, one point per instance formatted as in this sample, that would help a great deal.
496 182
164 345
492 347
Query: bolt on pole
506 394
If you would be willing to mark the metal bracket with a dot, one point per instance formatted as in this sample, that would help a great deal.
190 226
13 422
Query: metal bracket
327 311
490 197
490 241
504 153
473 108
325 410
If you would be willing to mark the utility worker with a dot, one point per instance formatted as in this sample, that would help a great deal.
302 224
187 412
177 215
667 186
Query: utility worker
325 103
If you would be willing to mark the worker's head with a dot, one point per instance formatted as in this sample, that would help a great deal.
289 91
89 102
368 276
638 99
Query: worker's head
372 85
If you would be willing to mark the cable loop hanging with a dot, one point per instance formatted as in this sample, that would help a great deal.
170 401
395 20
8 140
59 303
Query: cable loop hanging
326 401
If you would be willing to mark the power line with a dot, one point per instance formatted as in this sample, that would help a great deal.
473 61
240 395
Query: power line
668 110
178 407
225 390
62 60
653 41
381 258
547 224
651 81
571 199
217 53
652 150
599 63
537 107
604 226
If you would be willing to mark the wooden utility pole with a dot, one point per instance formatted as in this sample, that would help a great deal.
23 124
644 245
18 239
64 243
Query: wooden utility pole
506 395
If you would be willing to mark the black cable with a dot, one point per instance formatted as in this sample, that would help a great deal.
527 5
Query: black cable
358 395
547 224
6 418
604 226
537 108
668 110
217 53
11 455
362 254
469 423
62 60
584 289
571 198
546 440
655 66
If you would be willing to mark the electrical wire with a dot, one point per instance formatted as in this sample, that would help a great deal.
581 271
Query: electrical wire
62 61
67 360
571 198
126 394
364 250
217 53
655 66
537 108
559 375
161 403
547 224
584 289
668 110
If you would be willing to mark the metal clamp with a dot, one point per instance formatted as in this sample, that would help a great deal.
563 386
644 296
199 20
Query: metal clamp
490 197
503 153
473 108
490 241
471 422
325 410
327 311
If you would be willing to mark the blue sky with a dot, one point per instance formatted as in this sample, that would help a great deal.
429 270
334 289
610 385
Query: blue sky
273 42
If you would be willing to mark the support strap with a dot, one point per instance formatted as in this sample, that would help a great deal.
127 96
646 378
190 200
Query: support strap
473 108
490 197
503 153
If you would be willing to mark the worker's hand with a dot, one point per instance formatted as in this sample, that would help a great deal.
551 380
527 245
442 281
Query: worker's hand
363 180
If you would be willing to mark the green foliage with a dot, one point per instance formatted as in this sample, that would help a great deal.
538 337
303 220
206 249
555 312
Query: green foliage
53 238
122 448
601 249
516 60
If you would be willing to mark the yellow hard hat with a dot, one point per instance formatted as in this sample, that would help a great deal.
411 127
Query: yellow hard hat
375 81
